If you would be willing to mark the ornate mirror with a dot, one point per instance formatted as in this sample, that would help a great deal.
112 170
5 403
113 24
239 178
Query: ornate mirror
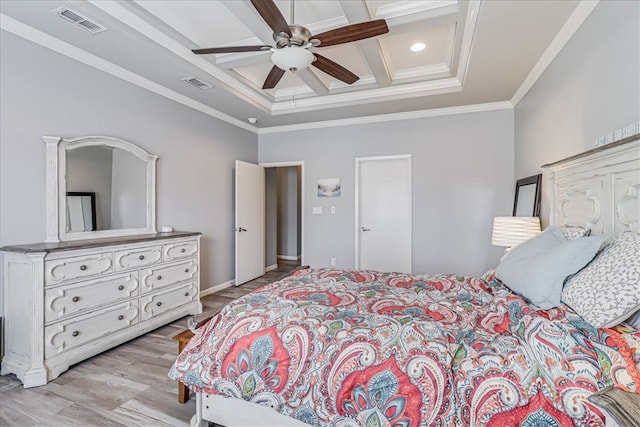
98 186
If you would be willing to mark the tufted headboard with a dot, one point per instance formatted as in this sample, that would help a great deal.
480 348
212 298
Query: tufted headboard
599 189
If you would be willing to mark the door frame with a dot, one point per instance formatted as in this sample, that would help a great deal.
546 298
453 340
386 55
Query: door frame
360 160
302 213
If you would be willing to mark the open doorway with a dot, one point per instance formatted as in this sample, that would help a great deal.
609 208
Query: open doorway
284 195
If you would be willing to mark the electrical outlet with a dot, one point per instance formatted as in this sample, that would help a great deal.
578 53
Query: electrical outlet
333 210
333 261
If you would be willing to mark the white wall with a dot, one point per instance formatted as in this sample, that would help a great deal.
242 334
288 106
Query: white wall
44 93
591 88
463 176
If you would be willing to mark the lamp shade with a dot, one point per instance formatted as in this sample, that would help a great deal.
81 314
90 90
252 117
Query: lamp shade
292 58
510 231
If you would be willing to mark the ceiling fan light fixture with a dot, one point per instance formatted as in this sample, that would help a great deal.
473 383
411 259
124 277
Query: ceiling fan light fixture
292 58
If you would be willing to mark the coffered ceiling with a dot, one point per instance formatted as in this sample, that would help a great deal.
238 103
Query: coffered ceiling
475 52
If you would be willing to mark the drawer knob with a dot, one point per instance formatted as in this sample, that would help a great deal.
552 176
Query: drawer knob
83 267
141 257
183 250
186 270
121 287
120 317
186 294
75 299
159 277
75 333
159 303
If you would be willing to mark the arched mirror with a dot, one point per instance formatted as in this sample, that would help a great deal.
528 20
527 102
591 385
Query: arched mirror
98 186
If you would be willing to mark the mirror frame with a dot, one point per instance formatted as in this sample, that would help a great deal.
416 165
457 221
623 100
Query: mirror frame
535 180
56 186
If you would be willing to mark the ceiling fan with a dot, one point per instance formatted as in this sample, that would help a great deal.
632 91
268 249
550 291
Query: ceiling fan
293 42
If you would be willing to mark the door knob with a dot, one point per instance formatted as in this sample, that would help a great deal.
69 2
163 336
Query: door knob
365 229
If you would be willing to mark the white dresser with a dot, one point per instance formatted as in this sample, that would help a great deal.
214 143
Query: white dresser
67 301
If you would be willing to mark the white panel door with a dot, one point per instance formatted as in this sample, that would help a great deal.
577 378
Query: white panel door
250 218
383 239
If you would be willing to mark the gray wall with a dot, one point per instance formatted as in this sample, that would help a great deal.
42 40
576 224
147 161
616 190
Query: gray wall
288 209
90 169
128 191
590 89
44 93
271 216
463 176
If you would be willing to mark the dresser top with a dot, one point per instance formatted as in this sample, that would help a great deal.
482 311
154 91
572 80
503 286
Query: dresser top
92 243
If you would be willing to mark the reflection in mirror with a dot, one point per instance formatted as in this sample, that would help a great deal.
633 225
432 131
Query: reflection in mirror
81 211
527 197
119 181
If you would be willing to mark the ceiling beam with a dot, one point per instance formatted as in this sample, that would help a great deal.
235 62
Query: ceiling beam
357 11
248 15
313 81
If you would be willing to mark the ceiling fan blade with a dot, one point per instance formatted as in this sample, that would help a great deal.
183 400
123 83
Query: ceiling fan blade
352 33
272 16
334 69
230 49
273 78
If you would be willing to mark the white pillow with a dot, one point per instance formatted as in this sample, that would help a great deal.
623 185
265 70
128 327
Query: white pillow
575 231
537 268
607 291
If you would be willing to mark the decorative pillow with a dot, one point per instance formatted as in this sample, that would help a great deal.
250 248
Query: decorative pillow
537 268
575 231
607 291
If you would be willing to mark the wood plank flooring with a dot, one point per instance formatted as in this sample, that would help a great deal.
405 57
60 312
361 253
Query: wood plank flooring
124 386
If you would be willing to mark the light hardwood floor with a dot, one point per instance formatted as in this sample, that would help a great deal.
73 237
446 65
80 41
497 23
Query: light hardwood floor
125 386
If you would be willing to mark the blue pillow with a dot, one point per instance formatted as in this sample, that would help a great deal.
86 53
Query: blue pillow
536 269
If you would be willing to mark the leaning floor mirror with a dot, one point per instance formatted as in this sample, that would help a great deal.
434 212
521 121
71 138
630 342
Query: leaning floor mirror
527 198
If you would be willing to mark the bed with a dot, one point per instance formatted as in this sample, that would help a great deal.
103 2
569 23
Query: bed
350 348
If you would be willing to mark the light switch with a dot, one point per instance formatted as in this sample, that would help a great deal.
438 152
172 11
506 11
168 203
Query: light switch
317 210
333 210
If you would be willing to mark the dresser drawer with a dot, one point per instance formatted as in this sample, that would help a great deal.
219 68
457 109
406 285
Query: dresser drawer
78 267
67 334
137 257
71 299
155 304
176 251
166 275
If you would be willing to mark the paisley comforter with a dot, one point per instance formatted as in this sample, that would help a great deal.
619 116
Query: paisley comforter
363 348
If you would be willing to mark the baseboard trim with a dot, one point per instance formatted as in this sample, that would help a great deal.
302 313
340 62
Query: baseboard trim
271 267
216 288
289 257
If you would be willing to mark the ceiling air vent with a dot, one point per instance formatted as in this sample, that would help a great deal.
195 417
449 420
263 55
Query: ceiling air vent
197 83
80 21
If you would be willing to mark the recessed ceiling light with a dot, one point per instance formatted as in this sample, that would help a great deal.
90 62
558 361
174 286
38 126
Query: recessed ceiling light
417 47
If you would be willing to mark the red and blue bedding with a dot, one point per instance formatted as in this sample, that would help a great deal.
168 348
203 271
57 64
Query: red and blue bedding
351 348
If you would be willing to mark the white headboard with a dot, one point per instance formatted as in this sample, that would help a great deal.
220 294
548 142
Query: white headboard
599 189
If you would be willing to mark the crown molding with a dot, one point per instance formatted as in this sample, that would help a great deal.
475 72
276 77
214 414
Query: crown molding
36 36
463 109
575 21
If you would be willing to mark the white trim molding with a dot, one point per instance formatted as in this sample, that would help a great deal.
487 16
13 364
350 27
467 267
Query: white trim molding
435 112
216 288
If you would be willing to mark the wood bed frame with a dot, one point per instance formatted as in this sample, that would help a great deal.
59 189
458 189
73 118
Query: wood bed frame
599 189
